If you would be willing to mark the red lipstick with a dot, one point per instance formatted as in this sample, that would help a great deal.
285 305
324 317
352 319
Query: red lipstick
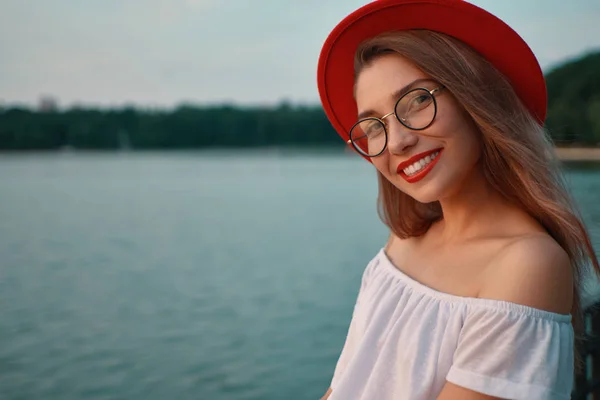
422 173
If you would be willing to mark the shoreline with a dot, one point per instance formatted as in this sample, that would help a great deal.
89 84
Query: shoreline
583 154
578 153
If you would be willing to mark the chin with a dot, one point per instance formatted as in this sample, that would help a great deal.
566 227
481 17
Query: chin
430 192
425 198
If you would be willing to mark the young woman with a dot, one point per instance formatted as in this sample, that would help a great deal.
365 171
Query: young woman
476 293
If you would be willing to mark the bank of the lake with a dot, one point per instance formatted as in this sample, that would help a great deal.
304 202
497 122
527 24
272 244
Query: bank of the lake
578 153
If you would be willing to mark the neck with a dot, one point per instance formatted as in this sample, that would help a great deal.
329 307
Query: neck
471 210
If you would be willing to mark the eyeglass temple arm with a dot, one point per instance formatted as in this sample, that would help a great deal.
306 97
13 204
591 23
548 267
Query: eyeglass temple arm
437 89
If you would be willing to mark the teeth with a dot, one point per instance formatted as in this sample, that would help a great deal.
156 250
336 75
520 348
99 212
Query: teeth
419 165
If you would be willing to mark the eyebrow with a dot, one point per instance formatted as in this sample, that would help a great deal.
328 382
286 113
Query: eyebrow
396 95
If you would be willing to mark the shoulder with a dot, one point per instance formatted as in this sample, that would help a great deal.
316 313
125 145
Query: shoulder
532 270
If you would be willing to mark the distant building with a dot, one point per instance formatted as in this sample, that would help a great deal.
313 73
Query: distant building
47 104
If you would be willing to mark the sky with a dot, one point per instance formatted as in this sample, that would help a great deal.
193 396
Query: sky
162 53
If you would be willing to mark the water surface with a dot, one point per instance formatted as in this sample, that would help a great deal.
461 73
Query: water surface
201 275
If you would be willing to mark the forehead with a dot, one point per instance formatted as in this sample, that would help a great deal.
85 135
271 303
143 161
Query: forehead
382 78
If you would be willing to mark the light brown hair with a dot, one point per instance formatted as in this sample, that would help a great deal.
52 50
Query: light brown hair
518 157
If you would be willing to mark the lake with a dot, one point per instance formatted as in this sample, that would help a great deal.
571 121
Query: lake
221 275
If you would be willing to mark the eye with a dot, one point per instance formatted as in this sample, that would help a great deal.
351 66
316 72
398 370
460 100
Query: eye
419 101
413 102
373 128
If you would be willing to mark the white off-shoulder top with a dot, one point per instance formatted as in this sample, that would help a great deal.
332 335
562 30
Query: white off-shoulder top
406 340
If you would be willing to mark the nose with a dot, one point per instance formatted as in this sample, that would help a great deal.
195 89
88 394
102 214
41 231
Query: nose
400 138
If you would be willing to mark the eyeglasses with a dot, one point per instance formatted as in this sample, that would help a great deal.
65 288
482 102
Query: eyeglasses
415 110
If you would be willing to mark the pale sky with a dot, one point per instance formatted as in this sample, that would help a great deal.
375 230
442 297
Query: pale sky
164 52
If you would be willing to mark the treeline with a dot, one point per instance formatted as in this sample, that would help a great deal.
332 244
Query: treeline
183 128
574 102
573 119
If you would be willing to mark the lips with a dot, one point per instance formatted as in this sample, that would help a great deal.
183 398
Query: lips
424 170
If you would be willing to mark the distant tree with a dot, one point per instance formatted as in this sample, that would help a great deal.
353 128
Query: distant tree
573 95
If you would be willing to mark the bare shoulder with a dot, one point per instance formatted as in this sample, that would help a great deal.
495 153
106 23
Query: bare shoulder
396 242
532 270
393 241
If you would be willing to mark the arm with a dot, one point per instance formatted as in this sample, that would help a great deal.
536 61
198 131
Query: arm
454 392
326 395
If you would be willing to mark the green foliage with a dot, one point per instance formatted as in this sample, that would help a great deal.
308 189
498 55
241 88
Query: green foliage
574 102
573 119
183 128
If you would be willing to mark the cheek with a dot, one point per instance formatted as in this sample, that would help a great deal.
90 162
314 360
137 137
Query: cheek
466 150
470 141
458 127
381 163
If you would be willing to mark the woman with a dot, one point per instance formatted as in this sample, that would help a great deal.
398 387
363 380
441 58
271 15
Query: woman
476 293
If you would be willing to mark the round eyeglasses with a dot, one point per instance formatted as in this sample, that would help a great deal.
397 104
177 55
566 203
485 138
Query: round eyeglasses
416 110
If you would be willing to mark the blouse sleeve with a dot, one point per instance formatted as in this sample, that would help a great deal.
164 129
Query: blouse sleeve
515 353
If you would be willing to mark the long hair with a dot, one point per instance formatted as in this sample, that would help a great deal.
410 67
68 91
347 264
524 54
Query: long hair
518 157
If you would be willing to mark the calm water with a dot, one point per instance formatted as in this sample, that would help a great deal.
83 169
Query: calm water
212 275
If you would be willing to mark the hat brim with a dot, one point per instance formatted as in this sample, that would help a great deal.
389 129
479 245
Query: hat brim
484 32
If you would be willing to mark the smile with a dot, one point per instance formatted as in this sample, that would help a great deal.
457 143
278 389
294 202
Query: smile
417 167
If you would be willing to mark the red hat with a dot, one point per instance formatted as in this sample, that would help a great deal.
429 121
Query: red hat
484 32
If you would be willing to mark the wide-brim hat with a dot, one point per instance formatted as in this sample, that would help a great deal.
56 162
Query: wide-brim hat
484 32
